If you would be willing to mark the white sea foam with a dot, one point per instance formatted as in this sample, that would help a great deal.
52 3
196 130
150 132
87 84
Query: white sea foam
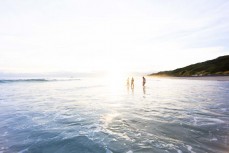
195 121
179 151
108 151
5 134
190 149
200 121
213 139
224 109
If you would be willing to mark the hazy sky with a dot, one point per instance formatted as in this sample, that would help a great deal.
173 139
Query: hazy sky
110 35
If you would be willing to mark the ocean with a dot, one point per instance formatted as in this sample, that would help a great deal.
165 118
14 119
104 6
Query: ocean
99 115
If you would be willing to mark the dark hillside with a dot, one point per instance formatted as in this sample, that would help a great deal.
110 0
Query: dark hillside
218 66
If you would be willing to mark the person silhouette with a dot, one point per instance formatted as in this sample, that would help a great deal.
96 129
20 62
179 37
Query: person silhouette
132 82
143 81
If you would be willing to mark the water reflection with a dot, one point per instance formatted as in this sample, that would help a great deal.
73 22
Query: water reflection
128 88
132 90
144 90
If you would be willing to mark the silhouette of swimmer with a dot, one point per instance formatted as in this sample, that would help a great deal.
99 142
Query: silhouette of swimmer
143 81
132 82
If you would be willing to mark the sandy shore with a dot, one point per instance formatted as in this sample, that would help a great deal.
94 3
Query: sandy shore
214 78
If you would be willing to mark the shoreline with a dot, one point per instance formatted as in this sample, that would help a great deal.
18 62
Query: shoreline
213 78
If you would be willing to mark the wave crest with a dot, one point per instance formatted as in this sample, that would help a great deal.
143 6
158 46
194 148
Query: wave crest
33 80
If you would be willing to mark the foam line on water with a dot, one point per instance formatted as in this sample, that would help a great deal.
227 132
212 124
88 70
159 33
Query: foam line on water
190 149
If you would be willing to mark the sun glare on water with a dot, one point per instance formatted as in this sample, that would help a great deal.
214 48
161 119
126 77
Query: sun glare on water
116 79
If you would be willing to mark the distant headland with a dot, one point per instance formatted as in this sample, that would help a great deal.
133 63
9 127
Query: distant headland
215 67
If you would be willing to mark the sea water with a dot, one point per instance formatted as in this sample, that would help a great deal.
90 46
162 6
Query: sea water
96 115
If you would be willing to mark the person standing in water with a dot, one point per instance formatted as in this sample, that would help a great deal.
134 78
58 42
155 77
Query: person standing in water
132 82
143 81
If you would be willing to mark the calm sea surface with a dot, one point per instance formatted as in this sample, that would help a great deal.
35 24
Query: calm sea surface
95 115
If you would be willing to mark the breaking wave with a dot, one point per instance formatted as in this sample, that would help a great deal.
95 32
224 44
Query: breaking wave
33 80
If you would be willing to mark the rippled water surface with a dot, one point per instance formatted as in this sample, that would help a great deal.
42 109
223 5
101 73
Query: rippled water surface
92 115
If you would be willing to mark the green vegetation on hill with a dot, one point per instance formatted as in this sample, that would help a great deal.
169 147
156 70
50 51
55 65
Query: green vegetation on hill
218 66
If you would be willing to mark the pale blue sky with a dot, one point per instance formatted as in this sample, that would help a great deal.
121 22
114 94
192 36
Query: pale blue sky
107 35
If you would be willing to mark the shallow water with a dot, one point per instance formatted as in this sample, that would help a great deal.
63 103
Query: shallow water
90 115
